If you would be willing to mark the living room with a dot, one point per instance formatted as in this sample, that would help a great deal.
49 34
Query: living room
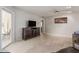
54 35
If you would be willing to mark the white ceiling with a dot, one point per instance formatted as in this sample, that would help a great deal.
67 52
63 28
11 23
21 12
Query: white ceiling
48 10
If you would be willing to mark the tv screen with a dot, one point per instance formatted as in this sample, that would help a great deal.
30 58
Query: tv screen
31 23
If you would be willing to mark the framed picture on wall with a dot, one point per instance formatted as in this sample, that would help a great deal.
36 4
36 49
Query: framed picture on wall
60 20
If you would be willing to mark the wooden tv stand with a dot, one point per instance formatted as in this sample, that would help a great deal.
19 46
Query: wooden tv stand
30 32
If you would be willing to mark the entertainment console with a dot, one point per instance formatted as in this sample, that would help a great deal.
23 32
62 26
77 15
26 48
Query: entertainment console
30 32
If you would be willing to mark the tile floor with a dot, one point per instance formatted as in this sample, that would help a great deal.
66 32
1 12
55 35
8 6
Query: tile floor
40 44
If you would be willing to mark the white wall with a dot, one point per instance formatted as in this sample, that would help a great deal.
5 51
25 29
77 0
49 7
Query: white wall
66 29
22 18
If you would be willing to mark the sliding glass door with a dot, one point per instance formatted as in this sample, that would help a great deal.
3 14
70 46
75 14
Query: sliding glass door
6 27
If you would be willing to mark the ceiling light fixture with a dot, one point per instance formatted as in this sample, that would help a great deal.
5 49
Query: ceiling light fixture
68 7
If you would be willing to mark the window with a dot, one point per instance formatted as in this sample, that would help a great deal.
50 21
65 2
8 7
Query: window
6 21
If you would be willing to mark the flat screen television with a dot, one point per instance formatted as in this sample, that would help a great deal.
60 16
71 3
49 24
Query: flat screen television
31 23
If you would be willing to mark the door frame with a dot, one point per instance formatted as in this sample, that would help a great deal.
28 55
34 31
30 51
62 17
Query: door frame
12 25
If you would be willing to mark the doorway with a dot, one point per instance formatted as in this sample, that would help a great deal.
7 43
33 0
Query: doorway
6 28
43 26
